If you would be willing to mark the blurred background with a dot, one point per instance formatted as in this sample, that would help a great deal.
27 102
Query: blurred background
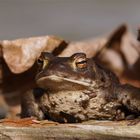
69 19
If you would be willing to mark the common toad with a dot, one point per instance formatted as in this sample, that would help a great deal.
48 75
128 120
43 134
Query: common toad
75 89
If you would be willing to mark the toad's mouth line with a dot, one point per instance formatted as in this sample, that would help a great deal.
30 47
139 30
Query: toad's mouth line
61 79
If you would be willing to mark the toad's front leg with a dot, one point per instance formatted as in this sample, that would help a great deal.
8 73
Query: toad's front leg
29 105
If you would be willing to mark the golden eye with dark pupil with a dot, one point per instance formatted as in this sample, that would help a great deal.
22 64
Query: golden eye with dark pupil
81 64
42 62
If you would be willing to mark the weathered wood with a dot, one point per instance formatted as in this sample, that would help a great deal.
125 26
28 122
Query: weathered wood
94 130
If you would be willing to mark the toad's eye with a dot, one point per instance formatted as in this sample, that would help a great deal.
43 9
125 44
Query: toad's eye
42 62
81 63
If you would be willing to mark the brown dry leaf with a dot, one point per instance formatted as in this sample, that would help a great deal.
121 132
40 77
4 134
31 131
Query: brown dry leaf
27 122
17 122
21 54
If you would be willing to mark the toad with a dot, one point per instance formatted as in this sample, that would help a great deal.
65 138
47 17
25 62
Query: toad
76 89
